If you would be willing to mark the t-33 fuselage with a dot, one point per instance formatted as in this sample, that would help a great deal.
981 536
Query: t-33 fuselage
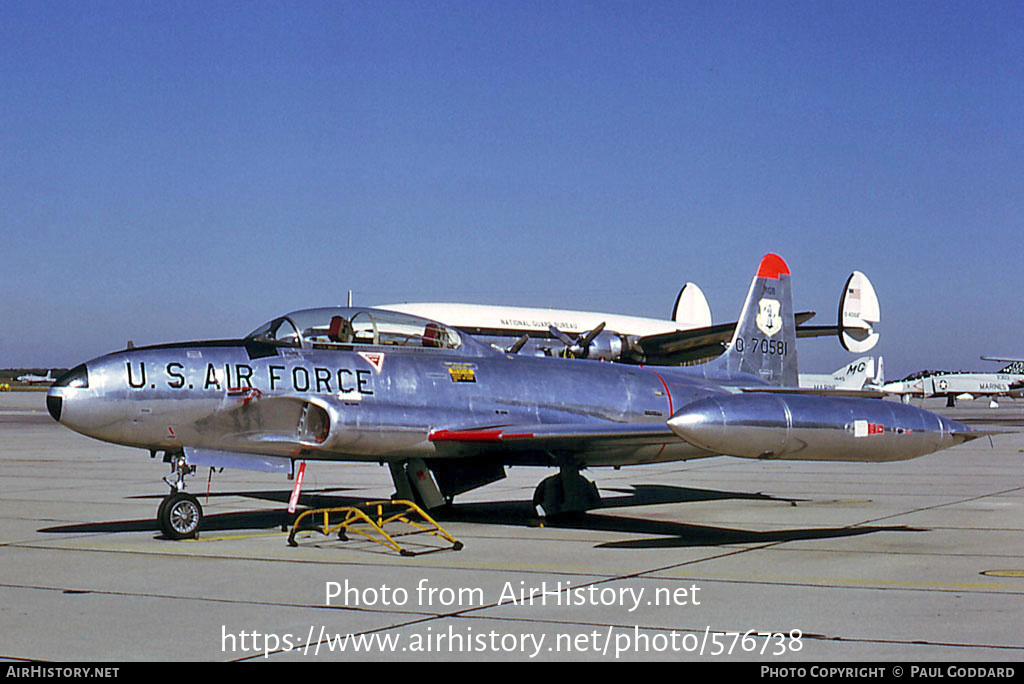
447 414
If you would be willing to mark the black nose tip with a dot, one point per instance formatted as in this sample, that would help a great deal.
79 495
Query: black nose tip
53 405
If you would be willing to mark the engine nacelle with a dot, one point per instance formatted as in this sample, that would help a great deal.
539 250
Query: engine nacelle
607 346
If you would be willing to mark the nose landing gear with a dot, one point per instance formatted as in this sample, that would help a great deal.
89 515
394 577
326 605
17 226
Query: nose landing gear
180 513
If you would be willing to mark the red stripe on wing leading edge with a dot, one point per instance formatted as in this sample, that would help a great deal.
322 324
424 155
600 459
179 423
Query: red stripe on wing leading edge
772 266
474 435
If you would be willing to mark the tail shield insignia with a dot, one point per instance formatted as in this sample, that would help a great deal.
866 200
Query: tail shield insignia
768 320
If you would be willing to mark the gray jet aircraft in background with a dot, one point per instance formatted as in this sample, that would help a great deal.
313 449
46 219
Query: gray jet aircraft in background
32 379
448 414
1007 382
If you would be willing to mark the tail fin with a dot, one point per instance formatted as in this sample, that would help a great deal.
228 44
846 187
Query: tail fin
764 343
856 374
858 313
1015 368
879 378
691 309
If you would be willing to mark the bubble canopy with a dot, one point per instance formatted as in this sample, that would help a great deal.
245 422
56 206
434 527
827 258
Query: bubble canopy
332 327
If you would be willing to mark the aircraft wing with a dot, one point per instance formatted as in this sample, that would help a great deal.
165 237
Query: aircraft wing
555 435
703 343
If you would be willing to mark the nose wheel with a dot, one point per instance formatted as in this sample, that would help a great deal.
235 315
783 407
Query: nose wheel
180 515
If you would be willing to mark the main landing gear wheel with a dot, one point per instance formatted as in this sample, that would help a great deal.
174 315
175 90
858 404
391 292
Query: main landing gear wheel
179 516
565 493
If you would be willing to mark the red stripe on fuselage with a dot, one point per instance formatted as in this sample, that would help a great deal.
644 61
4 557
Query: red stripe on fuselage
668 393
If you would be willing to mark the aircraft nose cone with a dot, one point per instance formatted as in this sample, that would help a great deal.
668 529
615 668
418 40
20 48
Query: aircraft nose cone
63 388
54 404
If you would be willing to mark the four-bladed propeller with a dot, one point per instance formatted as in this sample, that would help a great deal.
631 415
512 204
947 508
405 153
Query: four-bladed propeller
578 347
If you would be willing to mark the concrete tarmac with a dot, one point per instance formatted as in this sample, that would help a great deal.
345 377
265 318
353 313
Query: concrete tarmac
906 562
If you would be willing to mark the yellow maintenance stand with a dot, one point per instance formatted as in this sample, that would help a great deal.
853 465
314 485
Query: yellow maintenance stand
368 520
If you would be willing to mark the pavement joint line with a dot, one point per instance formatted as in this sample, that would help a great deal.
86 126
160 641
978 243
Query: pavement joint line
320 641
940 505
901 586
585 624
462 567
912 554
207 599
807 635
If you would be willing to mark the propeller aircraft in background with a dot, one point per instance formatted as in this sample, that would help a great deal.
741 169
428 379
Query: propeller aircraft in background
689 337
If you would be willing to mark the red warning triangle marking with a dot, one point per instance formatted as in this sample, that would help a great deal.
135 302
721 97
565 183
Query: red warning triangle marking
375 359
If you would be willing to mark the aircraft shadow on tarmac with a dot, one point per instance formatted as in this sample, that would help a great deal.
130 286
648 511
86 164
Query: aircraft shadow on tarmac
664 534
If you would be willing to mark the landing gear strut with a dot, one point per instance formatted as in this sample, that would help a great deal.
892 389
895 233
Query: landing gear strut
566 492
414 482
179 514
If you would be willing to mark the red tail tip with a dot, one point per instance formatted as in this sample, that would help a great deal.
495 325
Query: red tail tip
772 266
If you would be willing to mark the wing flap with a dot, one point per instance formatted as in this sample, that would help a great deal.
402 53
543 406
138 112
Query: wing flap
703 343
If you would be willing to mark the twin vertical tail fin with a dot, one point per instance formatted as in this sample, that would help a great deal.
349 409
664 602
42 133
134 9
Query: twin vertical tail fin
764 343
1015 368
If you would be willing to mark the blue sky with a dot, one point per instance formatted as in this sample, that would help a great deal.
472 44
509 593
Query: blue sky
187 170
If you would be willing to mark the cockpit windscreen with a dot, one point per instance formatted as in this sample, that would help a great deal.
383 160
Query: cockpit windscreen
341 326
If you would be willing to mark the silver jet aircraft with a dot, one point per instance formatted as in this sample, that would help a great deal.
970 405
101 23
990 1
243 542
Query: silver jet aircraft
447 413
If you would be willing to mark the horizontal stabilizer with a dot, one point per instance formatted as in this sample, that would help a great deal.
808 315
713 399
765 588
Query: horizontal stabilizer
708 342
821 392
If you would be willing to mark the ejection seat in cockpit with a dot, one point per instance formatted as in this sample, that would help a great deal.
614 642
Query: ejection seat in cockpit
432 335
341 330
